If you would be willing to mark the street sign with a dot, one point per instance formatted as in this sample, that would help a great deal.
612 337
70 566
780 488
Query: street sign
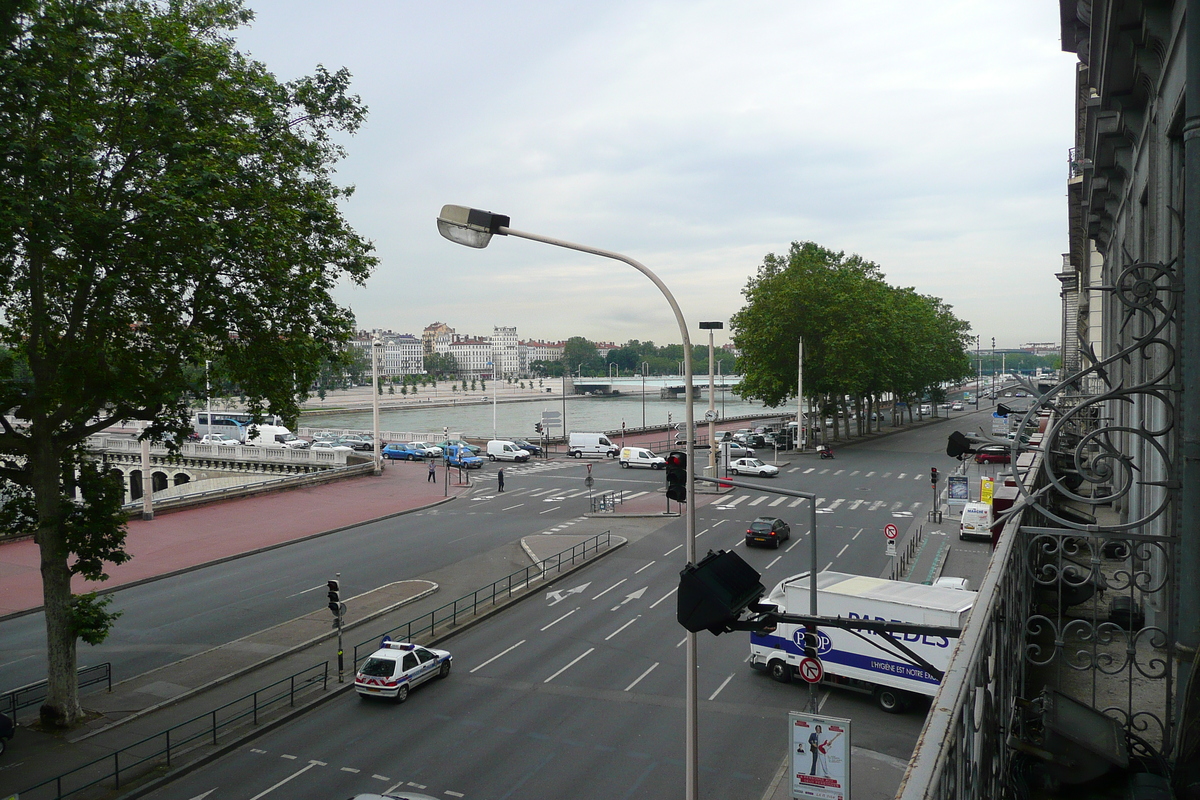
551 414
589 481
891 548
891 531
811 669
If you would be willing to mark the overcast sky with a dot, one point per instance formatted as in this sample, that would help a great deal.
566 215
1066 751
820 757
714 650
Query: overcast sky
695 137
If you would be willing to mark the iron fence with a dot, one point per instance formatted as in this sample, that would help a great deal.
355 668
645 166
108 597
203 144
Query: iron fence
33 694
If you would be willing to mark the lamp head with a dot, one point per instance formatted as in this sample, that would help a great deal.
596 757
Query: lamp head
470 226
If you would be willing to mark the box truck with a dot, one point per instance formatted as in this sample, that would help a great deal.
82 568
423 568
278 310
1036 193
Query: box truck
864 661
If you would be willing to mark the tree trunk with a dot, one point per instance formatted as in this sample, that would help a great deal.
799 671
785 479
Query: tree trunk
61 708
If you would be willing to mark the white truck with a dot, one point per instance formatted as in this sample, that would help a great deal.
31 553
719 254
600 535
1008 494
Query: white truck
853 660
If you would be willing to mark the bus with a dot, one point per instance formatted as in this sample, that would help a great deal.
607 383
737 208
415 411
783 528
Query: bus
236 425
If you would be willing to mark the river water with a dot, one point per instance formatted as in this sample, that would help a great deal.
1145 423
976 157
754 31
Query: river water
516 419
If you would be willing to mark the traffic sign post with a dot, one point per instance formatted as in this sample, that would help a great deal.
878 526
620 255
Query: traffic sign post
811 670
891 532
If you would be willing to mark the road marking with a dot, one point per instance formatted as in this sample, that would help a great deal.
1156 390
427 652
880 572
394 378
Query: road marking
698 535
548 510
902 476
560 619
768 566
724 683
822 472
875 506
855 504
289 597
672 550
664 597
381 777
609 589
504 652
839 472
869 474
737 500
454 794
285 755
568 666
852 474
916 477
828 566
639 677
681 641
510 508
887 474
777 501
794 469
636 496
631 596
351 769
836 503
844 547
623 627
793 544
651 564
560 595
295 774
855 536
796 502
758 500
720 522
540 492
256 750
810 469
738 542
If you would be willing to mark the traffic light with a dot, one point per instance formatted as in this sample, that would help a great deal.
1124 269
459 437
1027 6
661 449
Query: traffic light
537 426
335 598
812 640
677 476
714 593
933 476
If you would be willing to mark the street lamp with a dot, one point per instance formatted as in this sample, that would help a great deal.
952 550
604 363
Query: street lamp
208 399
376 350
712 409
475 228
645 364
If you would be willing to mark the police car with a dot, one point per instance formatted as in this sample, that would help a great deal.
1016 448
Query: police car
397 667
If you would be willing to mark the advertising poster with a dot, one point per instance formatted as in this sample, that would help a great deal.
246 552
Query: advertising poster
985 490
820 756
957 490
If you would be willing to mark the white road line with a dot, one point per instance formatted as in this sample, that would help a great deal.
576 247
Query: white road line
916 477
548 510
839 472
289 597
623 627
720 522
810 469
902 476
790 546
828 566
286 755
504 652
768 566
540 492
836 503
651 564
295 774
681 641
758 500
351 769
915 506
510 508
698 535
672 550
639 677
855 504
724 683
609 589
737 500
777 501
897 506
738 542
822 472
635 496
568 666
887 474
869 474
875 506
796 502
855 536
852 474
844 547
454 794
794 469
664 597
381 777
560 619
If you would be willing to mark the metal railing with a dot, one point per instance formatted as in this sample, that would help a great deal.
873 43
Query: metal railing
141 757
33 694
607 501
907 554
499 591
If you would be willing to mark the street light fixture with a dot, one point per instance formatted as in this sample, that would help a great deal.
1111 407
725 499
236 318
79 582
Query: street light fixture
376 350
475 228
712 408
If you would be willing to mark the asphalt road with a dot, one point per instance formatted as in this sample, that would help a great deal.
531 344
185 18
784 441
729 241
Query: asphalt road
578 693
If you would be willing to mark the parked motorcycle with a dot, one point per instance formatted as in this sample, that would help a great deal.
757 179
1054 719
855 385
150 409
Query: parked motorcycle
825 451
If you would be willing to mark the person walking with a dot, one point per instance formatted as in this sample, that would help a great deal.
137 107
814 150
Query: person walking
432 473
500 479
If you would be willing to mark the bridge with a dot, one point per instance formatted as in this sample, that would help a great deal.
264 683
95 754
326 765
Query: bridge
666 387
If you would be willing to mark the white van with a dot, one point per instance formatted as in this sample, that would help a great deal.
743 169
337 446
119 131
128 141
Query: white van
976 522
501 450
641 457
591 444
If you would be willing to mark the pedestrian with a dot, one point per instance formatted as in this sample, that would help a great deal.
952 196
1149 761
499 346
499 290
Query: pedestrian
814 742
500 479
432 473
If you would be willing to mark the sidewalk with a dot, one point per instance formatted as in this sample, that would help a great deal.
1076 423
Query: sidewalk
192 537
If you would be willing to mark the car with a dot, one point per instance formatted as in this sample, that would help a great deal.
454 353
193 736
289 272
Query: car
357 442
396 668
764 530
457 456
752 466
7 728
926 409
219 439
402 451
325 444
947 582
474 448
956 407
993 454
431 450
736 450
945 406
528 447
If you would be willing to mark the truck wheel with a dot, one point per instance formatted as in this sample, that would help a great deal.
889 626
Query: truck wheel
780 671
892 701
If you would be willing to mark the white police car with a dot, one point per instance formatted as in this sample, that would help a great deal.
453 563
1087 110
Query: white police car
397 667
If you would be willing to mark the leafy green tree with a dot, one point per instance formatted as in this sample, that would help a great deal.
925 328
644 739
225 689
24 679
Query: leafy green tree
441 365
165 200
579 353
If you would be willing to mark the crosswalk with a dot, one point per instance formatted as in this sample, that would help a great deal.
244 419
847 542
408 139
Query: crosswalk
548 495
854 473
534 467
825 505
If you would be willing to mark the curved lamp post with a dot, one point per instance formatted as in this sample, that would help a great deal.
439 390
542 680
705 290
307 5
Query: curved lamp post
475 228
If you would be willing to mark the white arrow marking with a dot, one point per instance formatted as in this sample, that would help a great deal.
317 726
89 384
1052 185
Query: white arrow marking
560 596
632 596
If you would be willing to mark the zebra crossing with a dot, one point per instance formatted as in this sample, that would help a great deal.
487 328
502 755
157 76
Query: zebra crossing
547 495
870 474
534 467
825 505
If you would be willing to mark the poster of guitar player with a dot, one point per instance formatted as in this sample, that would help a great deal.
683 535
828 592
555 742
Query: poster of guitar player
820 756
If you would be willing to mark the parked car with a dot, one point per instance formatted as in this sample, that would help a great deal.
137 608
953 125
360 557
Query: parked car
474 448
431 450
504 450
219 439
956 407
993 454
357 442
530 447
457 456
402 451
752 466
768 530
325 444
735 450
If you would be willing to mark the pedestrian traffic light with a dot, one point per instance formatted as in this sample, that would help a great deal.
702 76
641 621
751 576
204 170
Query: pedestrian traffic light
677 476
335 598
812 641
933 476
537 426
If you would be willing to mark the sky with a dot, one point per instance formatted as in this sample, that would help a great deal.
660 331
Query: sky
695 137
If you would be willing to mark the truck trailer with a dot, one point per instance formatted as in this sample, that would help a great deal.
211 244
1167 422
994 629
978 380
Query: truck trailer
861 660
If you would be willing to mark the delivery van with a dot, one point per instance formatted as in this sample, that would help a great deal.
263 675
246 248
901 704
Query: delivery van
858 660
641 457
591 444
501 450
976 522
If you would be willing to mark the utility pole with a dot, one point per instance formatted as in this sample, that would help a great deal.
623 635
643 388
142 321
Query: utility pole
800 439
711 416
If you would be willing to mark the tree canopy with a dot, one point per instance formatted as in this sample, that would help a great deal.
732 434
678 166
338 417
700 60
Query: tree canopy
163 200
862 337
